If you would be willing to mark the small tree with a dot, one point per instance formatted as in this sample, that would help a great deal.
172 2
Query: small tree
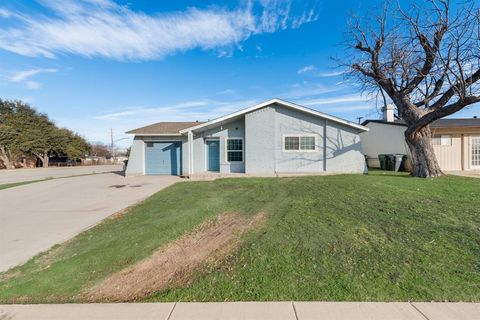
426 60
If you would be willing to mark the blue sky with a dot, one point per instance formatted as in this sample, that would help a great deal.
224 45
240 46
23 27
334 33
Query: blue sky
93 65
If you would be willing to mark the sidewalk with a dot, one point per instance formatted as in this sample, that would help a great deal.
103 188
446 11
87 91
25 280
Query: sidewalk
245 311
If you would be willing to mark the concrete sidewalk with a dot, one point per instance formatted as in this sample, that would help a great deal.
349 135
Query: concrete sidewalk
245 311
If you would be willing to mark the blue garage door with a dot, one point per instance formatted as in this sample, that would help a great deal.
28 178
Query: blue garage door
163 158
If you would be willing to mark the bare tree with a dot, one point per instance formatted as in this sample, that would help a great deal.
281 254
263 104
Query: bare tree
424 59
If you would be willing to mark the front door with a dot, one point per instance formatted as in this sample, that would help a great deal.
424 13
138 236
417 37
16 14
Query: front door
475 143
213 155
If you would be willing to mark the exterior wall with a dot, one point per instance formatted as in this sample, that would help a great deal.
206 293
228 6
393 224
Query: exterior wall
233 129
450 157
387 138
383 139
136 161
338 147
259 141
344 152
461 143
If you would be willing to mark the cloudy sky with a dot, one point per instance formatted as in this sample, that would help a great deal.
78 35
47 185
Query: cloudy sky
93 65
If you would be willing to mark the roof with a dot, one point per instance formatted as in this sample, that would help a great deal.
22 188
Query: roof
396 122
282 103
440 123
163 128
455 123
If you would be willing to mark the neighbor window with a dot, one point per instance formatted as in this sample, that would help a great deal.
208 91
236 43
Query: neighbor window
443 140
234 150
299 143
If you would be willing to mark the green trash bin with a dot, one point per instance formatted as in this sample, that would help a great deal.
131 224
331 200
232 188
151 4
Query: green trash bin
383 161
390 162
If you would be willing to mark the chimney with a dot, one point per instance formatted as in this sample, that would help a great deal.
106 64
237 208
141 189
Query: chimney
388 113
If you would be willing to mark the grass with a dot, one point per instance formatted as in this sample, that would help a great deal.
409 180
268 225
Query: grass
378 237
16 184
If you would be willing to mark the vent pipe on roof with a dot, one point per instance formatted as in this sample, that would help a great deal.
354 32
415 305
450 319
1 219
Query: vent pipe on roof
388 113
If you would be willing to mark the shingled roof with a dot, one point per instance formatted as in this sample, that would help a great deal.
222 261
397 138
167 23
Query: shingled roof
441 123
164 128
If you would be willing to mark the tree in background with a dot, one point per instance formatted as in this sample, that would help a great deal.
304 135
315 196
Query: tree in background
426 60
74 146
99 149
23 130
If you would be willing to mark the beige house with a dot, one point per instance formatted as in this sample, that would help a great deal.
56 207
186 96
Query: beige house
456 141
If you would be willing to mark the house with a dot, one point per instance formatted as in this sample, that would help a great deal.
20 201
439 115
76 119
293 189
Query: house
456 141
269 138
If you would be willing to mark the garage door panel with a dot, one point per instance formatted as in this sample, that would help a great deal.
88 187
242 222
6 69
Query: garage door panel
163 158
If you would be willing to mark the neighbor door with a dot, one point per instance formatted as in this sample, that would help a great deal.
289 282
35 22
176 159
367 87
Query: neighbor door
475 152
213 155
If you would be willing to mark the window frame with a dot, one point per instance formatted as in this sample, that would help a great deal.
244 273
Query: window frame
440 137
299 136
226 149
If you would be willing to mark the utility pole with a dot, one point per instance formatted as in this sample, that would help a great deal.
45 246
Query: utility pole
112 145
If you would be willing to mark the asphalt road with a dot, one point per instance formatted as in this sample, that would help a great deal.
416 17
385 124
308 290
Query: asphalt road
34 217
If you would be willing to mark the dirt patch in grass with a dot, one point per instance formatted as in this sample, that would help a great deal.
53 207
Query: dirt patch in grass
175 263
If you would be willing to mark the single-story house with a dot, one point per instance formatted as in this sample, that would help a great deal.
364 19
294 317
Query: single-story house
273 137
456 141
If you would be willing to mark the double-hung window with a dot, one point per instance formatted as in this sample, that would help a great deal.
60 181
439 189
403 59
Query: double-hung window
298 143
234 150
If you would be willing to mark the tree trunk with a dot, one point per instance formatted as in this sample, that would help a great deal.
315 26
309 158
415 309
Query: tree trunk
425 163
4 156
45 159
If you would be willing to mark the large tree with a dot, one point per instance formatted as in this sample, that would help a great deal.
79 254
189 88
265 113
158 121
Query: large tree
425 59
7 133
23 130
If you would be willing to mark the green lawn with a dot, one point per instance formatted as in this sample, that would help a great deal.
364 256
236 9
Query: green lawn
377 237
16 184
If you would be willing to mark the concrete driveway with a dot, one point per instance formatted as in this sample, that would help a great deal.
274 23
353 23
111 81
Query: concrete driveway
36 216
30 174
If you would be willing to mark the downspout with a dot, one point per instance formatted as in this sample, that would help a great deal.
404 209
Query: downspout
190 152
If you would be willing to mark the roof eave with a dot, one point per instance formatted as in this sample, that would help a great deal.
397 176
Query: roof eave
156 134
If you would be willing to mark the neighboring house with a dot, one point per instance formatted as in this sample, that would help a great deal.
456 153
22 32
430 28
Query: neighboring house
456 141
269 138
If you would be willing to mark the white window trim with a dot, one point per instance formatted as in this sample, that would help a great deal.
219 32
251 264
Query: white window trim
470 152
299 136
226 149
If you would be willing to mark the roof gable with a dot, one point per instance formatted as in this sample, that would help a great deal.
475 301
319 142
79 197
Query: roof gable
282 103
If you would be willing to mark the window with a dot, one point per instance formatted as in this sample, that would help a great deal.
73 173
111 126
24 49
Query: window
443 140
299 143
234 150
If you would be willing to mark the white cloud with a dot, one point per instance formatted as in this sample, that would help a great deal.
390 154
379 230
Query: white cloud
330 74
104 28
334 100
305 69
21 76
307 89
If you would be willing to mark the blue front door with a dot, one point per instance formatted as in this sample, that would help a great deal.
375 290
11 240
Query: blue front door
162 158
213 155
